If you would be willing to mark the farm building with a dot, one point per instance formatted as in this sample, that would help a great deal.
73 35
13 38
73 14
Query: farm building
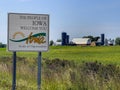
81 41
65 38
57 44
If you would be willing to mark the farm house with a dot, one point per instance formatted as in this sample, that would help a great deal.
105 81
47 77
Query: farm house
81 41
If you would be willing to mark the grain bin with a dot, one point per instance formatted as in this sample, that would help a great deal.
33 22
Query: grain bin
64 35
102 39
67 39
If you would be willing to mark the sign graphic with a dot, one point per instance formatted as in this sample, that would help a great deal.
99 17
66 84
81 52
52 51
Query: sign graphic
36 38
28 32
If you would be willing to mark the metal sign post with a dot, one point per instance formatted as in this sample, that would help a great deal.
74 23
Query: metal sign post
39 70
14 72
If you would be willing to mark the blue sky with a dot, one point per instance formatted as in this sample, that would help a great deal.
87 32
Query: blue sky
76 17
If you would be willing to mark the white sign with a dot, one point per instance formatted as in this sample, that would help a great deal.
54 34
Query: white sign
28 32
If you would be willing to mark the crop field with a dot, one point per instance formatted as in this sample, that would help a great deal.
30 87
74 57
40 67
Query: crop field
64 68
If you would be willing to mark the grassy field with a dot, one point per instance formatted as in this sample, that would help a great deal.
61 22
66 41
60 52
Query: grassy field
64 68
103 54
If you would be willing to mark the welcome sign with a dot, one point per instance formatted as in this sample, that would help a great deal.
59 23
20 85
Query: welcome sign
28 32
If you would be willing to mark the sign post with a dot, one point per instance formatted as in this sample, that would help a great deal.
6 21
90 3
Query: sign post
14 71
28 32
39 70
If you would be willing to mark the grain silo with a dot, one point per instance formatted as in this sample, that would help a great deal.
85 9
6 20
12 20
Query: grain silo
102 39
67 39
64 35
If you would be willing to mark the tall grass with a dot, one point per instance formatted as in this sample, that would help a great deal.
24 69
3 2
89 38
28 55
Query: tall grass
61 75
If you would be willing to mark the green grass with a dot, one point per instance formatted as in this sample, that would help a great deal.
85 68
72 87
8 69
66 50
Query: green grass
75 68
105 54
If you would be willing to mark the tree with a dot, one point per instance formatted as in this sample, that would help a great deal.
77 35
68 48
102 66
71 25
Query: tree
96 38
92 38
117 41
51 42
2 45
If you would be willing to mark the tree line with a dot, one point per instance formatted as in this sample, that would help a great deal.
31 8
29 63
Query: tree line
2 45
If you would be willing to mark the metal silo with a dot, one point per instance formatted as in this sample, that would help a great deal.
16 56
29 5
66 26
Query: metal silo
67 39
102 39
64 35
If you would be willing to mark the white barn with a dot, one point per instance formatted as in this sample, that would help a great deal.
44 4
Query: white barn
81 41
57 43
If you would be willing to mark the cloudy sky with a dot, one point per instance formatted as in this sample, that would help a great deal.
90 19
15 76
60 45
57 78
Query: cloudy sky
76 17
